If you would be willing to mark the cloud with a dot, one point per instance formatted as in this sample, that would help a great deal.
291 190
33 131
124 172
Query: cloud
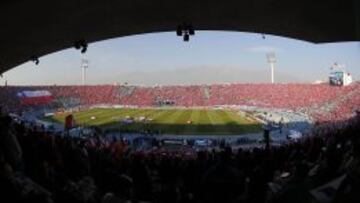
263 49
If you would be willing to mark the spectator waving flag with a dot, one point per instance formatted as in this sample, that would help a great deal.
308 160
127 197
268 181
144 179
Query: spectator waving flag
69 122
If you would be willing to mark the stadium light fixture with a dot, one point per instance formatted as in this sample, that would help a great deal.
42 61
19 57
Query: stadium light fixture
186 37
179 30
77 45
35 59
271 60
84 66
84 49
185 30
81 44
271 57
191 30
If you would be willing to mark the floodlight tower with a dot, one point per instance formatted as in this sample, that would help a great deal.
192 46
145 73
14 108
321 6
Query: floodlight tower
271 59
84 66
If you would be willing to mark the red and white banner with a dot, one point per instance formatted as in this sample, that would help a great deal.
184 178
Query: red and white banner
35 97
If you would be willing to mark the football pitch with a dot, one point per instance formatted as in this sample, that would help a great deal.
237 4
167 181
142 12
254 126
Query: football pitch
166 121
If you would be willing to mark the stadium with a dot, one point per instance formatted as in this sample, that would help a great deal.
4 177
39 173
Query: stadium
84 138
220 109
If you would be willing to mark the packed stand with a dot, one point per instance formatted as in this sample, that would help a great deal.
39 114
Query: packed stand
321 101
36 166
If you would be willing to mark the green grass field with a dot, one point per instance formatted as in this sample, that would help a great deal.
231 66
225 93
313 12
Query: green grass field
168 121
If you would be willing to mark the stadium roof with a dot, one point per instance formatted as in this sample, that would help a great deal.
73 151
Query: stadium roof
39 27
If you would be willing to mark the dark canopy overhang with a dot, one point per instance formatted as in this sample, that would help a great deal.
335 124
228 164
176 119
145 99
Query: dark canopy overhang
38 27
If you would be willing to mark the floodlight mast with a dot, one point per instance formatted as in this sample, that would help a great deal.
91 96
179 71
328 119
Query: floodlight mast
271 59
84 66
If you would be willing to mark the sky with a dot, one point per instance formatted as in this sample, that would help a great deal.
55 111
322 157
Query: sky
209 57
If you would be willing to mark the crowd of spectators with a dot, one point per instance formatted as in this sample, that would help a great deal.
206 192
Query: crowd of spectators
340 108
321 101
37 166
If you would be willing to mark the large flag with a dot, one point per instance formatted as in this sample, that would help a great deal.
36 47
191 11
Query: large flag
35 97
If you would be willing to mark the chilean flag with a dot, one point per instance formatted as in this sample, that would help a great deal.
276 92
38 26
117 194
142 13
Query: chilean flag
35 97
